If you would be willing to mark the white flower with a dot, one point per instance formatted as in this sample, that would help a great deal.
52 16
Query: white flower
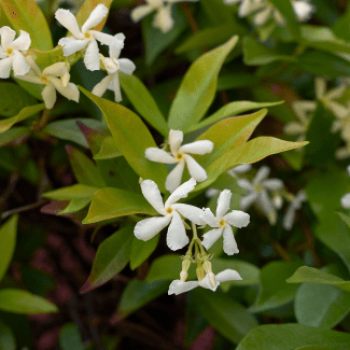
114 65
162 19
177 287
241 169
55 77
222 222
179 154
258 193
85 38
303 10
295 205
345 200
303 111
11 52
148 228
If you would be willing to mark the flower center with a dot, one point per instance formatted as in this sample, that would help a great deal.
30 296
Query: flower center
258 188
9 51
179 156
87 35
222 223
44 79
169 211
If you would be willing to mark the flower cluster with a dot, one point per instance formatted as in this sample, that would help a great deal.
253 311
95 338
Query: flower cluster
174 214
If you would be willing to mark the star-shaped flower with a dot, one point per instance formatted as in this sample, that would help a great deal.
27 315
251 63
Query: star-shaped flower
179 154
295 205
177 287
85 38
11 52
114 65
222 223
258 193
55 77
148 228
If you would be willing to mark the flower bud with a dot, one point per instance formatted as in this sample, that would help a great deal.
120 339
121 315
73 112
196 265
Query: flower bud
207 266
200 273
183 276
212 280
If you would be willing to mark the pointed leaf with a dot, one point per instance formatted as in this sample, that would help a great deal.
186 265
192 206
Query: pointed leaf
141 250
7 339
70 338
75 205
71 192
198 88
13 134
108 149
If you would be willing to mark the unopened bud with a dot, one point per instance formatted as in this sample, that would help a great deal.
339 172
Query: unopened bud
186 264
200 273
212 280
65 79
207 266
183 276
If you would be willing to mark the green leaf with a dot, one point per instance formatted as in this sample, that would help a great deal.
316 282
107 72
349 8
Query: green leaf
139 293
256 54
143 102
218 12
345 218
108 149
69 130
132 138
25 113
112 256
70 338
23 302
226 315
231 109
198 87
26 15
75 205
322 306
314 347
7 339
8 232
307 274
156 41
13 134
291 337
71 192
275 292
237 80
141 250
109 203
84 168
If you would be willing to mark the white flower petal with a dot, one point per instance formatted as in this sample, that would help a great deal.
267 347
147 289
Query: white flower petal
148 228
95 18
49 96
266 206
189 212
181 192
20 64
273 184
116 87
152 194
197 147
195 170
204 283
173 180
248 200
223 205
5 67
162 19
303 10
337 109
71 91
228 275
91 58
71 45
209 218
262 17
345 201
7 36
348 169
230 245
68 20
22 43
159 156
126 66
245 184
102 86
57 69
103 38
237 218
211 192
115 49
177 287
262 174
288 219
241 169
175 140
320 87
141 11
336 92
30 77
211 237
176 237
294 128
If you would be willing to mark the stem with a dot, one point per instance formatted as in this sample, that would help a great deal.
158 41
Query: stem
194 228
192 22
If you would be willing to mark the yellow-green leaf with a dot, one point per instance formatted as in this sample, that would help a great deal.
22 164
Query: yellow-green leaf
71 192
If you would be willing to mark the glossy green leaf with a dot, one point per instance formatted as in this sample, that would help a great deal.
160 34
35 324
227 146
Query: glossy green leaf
292 336
132 138
198 88
141 250
112 256
217 12
84 168
75 205
143 102
226 315
231 109
108 149
13 134
275 291
7 339
237 80
70 338
108 203
345 218
26 112
139 293
322 306
8 233
307 274
71 192
256 54
314 347
23 302
26 15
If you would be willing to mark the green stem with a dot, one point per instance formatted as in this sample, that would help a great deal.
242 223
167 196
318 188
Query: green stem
194 229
